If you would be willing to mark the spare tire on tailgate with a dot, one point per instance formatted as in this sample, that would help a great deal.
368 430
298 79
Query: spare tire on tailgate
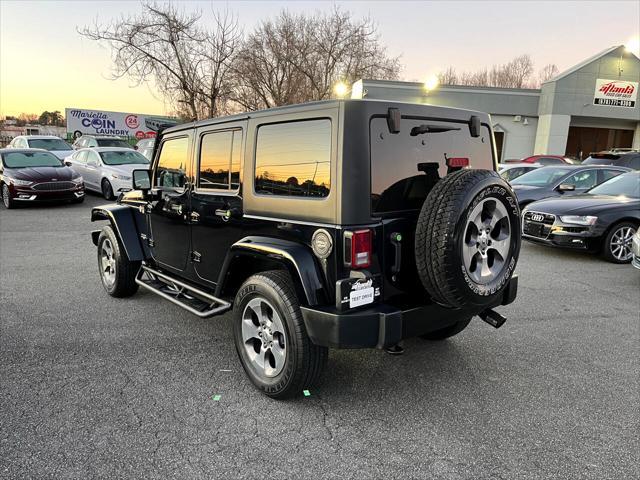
468 238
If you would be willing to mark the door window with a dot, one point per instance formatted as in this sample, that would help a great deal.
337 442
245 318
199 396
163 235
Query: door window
172 163
294 159
584 179
219 165
92 159
81 157
607 174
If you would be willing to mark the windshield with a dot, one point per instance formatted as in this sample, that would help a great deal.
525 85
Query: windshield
126 157
30 159
627 184
51 144
542 177
112 142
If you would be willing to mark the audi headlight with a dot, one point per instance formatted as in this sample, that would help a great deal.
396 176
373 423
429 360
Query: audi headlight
22 183
579 219
120 177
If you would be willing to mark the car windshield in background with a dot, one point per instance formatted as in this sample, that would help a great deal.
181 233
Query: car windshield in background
129 157
51 144
627 185
542 177
30 159
112 142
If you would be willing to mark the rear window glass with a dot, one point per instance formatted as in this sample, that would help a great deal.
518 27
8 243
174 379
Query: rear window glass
51 144
112 142
396 182
294 159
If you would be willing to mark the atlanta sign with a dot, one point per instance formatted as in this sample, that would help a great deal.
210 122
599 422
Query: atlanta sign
615 93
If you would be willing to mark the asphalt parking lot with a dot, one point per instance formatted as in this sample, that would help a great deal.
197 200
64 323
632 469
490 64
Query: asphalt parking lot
92 386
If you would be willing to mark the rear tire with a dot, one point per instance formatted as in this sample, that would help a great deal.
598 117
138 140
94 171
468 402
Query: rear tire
447 332
271 339
616 247
107 190
117 272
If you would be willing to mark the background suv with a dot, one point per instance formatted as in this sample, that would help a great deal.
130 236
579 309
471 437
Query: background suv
620 159
91 141
51 143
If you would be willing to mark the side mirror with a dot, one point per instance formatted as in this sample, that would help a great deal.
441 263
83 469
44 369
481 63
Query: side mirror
141 179
566 187
67 163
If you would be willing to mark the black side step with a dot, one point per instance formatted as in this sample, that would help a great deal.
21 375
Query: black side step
492 317
192 299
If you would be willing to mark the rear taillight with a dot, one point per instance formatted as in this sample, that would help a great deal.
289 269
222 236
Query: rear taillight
457 162
357 248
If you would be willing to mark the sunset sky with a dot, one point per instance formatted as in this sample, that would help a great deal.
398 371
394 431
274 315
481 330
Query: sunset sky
46 65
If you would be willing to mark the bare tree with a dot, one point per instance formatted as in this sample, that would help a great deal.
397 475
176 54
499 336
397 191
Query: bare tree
189 64
513 74
297 58
448 77
547 73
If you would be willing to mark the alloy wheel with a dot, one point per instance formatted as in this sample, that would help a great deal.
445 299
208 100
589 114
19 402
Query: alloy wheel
107 263
263 337
487 240
620 244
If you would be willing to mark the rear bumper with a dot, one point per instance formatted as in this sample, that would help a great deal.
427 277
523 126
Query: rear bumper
384 325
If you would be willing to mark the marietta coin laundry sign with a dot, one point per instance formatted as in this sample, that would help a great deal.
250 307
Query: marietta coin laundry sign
615 93
100 122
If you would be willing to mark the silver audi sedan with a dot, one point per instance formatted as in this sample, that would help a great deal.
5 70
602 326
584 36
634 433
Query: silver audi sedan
107 170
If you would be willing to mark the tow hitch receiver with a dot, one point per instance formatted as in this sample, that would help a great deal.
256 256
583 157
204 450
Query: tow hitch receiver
492 317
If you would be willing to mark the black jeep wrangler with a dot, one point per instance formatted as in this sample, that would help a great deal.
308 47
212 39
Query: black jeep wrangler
343 224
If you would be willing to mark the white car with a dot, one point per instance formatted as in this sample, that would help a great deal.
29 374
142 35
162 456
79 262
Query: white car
51 143
635 249
107 169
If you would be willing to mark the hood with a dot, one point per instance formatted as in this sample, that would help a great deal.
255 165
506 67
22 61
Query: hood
123 169
41 174
525 187
527 193
584 204
61 154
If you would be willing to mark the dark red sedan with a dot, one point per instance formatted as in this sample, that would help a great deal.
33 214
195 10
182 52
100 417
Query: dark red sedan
33 175
547 160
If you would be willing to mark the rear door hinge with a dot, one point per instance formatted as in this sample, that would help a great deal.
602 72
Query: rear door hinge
196 257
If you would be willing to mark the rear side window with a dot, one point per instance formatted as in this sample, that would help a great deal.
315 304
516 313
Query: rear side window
220 160
633 161
294 159
396 182
172 163
549 161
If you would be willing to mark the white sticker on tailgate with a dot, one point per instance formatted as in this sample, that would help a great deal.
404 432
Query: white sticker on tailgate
361 297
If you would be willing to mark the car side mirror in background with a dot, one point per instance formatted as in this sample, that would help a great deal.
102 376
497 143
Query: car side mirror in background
141 179
67 163
566 187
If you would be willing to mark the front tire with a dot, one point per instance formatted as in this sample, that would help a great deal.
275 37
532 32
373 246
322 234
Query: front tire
107 190
271 339
117 272
616 247
7 201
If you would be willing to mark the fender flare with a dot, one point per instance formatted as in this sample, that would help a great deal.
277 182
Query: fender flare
297 258
124 225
